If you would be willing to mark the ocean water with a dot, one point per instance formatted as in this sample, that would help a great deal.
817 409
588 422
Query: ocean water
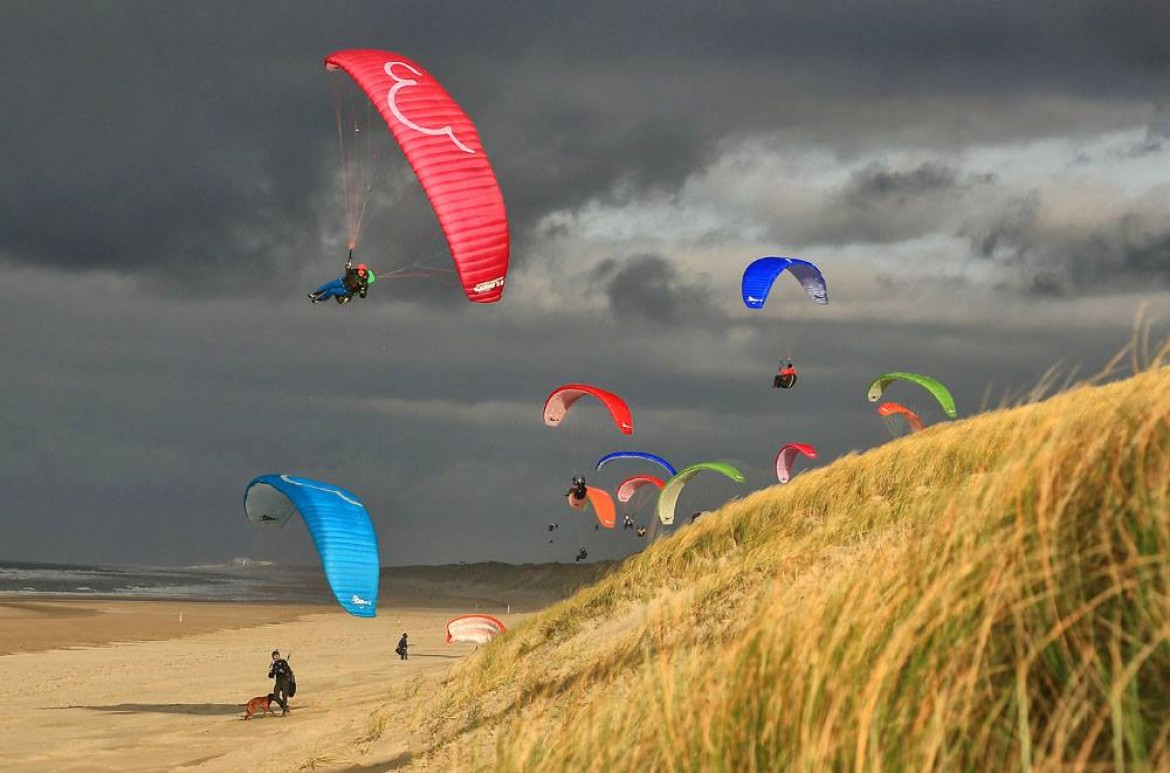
236 581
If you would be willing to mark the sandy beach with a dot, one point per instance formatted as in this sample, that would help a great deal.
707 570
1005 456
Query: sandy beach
124 685
37 625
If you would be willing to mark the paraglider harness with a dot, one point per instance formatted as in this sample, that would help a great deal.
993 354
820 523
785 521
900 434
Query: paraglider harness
578 490
357 280
582 554
785 378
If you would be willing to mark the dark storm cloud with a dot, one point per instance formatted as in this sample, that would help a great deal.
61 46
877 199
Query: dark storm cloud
650 287
877 183
147 141
186 142
132 429
186 154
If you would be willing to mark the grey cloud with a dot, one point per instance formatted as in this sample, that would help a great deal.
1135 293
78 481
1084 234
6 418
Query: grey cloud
878 183
884 204
1157 133
1125 253
650 287
1007 236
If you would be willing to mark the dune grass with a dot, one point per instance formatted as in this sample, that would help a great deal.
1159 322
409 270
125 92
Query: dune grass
988 594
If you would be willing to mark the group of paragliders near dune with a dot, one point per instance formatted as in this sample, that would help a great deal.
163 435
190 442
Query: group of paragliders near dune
443 148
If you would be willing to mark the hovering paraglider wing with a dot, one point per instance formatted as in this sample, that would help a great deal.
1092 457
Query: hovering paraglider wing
563 397
477 629
443 147
936 389
339 525
760 274
787 455
649 457
602 507
893 409
628 487
668 497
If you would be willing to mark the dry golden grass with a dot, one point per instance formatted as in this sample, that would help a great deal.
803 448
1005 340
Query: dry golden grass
990 594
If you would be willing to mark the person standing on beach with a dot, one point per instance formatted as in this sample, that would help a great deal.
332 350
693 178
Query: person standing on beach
282 673
402 647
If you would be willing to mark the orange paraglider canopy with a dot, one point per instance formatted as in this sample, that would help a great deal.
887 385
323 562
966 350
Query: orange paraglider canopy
603 506
894 409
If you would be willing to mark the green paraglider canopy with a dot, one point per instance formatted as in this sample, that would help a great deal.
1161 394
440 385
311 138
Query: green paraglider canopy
936 389
668 497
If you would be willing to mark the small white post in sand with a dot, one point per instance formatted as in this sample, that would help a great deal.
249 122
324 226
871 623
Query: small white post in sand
180 617
509 609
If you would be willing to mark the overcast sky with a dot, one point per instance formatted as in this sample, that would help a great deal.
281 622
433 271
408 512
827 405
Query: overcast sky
986 187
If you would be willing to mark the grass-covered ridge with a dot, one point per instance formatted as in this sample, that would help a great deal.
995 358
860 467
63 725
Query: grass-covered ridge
987 594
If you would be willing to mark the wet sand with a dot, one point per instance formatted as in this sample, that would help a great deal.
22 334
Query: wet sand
38 625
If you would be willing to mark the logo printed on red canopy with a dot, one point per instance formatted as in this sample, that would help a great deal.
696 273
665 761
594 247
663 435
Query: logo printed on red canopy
392 99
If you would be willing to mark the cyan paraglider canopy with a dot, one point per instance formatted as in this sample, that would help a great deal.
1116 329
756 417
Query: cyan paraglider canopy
339 525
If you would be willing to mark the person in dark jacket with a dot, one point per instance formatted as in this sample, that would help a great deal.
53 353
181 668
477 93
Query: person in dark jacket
578 490
282 673
355 281
403 647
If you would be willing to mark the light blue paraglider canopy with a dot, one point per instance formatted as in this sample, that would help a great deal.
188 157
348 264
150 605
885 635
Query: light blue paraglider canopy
339 525
646 455
760 274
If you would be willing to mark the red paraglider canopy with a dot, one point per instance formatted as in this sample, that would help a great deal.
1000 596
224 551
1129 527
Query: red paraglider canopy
787 456
563 397
628 487
477 629
443 147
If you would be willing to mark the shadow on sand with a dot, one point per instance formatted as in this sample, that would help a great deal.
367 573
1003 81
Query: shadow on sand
394 763
198 709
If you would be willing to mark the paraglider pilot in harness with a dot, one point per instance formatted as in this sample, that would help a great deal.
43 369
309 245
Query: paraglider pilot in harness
786 377
578 490
355 281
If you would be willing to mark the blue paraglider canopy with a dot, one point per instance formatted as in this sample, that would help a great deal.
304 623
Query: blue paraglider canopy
646 455
339 525
761 273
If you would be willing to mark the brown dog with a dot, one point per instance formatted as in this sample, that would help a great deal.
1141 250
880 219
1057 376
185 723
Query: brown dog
262 703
